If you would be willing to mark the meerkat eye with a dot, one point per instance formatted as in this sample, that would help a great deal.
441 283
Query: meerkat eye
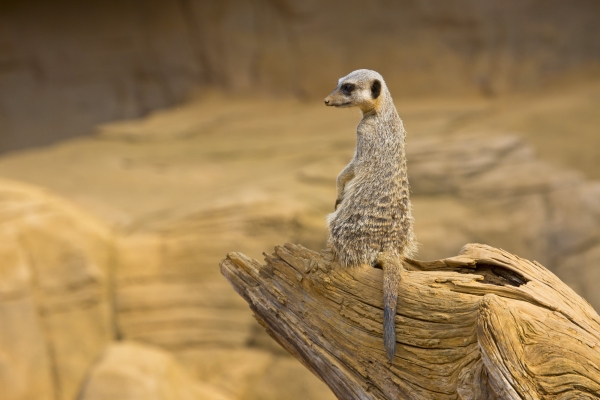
347 88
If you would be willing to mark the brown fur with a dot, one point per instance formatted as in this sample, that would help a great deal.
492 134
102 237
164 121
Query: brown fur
373 221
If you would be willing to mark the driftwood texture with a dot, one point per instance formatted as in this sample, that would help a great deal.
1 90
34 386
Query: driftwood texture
482 325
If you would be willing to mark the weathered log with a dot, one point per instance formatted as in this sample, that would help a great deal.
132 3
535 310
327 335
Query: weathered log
482 325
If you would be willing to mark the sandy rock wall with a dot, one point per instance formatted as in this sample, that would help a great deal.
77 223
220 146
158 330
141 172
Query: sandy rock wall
66 66
55 296
133 371
87 314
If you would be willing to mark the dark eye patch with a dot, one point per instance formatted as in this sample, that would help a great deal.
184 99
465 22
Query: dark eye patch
347 88
375 89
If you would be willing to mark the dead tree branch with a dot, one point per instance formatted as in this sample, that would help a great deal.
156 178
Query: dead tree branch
482 325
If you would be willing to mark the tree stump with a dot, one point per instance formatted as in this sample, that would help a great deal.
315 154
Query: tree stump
482 325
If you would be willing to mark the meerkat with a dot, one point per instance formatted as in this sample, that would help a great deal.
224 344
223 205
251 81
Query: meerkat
372 223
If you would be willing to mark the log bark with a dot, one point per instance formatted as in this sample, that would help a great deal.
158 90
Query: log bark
485 324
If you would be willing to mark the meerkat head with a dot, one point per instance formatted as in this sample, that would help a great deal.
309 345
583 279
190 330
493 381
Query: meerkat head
362 88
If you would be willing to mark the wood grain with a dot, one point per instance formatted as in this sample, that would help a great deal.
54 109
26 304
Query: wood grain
482 325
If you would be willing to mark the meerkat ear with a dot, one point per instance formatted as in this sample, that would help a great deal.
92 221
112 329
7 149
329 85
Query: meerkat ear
375 89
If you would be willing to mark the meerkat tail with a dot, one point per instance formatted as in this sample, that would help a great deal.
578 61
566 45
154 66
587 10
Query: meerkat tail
392 271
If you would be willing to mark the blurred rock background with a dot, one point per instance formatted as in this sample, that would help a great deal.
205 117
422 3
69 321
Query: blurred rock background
196 128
